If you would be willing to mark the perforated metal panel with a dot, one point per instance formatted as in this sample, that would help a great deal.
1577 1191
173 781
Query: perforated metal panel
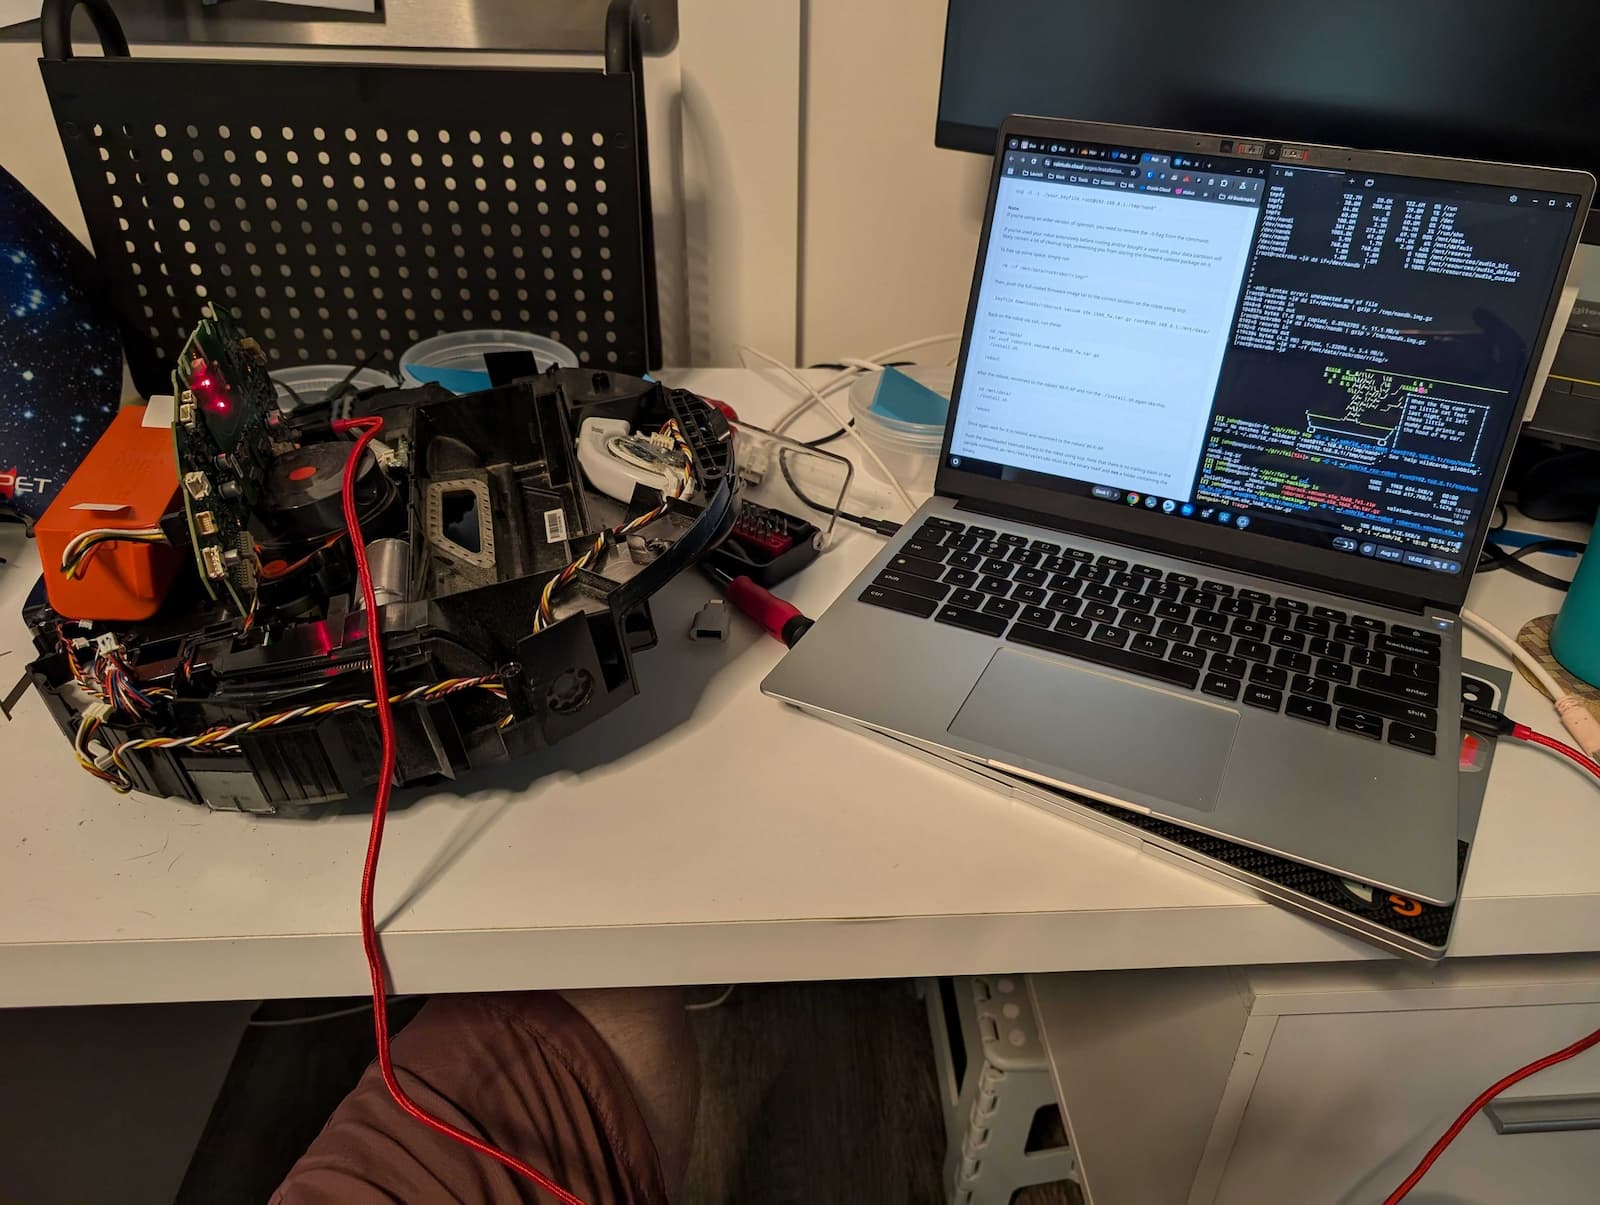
344 211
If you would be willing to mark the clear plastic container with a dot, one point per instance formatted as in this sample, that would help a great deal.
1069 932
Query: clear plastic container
306 385
455 360
909 449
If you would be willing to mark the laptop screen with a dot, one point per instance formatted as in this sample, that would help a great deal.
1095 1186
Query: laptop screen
1314 355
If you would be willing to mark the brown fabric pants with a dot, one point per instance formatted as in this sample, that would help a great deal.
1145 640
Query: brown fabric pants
530 1073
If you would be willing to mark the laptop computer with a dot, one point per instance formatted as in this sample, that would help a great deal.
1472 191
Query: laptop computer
1229 420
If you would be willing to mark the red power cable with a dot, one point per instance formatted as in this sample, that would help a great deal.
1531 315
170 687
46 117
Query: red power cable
1523 733
1467 1114
368 428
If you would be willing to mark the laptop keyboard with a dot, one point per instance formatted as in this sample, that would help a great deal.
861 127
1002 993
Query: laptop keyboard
1373 680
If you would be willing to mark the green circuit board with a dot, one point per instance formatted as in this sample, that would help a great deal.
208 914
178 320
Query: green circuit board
222 429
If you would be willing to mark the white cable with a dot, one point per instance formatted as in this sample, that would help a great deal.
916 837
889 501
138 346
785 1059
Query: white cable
861 442
1575 715
718 1002
837 382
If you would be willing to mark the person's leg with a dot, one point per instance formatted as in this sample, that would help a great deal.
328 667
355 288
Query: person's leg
648 1032
524 1071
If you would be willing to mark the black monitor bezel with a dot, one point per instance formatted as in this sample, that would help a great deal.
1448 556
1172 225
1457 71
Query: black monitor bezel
1323 568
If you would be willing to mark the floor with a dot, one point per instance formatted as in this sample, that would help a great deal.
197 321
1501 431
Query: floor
813 1092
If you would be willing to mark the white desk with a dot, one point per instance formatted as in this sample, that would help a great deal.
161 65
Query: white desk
701 834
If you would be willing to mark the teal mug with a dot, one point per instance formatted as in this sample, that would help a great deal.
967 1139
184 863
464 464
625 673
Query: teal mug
1575 639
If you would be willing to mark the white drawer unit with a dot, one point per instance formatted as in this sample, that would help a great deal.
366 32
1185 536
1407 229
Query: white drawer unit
1326 1083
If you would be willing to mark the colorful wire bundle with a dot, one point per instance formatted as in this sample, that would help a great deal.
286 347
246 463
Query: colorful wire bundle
81 547
596 552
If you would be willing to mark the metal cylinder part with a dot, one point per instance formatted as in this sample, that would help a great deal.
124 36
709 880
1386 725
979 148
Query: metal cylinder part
390 563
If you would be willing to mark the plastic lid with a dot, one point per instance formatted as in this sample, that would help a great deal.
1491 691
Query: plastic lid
455 360
307 385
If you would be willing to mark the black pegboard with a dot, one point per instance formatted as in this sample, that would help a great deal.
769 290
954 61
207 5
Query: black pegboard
344 211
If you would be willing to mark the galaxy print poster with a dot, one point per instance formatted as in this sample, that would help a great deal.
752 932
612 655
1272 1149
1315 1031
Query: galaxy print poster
60 358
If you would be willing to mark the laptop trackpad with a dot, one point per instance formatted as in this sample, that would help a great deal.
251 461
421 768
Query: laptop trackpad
1088 725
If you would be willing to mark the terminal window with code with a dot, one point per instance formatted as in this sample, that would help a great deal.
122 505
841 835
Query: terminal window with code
1321 356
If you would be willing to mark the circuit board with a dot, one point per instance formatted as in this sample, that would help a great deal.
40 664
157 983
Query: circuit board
222 431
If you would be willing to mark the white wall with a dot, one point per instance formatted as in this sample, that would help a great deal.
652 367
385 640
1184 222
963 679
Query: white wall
889 222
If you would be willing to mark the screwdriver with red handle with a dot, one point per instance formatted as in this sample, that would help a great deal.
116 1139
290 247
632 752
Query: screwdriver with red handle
782 619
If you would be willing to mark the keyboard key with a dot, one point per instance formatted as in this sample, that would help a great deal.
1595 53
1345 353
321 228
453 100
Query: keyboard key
1149 571
1013 539
1005 608
1200 598
1426 693
1335 671
1115 637
983 533
1173 611
1065 604
1329 614
1064 584
1111 562
965 560
1033 596
995 567
1213 642
992 548
1077 554
965 543
960 577
943 524
1414 714
1295 663
1150 646
1262 696
1253 650
1136 602
1183 654
1293 604
1126 581
1217 587
919 586
1285 639
967 600
1418 634
1092 573
1331 649
1411 738
1220 685
1232 666
1312 626
989 625
1236 606
1100 612
1030 577
1414 669
1136 622
1024 556
1095 592
1255 596
1250 629
1167 590
922 548
1311 688
1268 675
1045 547
1314 710
1274 615
994 585
1351 634
1055 564
916 566
1183 579
1368 659
1366 621
896 600
1173 630
1074 625
1101 654
1415 650
1210 619
1362 723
